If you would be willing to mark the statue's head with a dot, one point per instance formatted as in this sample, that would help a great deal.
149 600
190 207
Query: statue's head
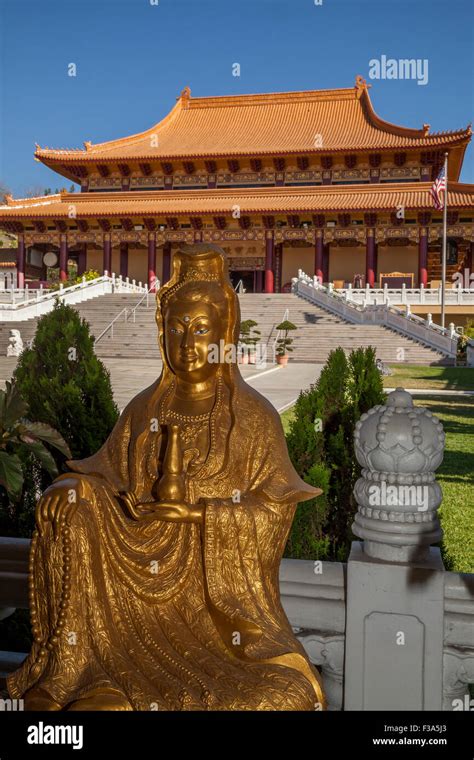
197 313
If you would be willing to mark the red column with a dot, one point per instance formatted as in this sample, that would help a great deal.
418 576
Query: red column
269 250
259 281
63 259
166 262
370 259
423 257
277 266
318 256
20 262
82 260
469 283
326 262
124 260
151 263
107 257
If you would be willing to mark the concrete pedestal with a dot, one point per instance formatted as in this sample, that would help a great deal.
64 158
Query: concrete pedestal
394 633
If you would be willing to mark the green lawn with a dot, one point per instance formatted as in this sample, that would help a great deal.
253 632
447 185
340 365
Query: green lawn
455 475
432 378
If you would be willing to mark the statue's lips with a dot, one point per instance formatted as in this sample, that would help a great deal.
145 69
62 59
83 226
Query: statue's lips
188 357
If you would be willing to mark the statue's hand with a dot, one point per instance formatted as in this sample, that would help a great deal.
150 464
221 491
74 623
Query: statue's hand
178 511
57 504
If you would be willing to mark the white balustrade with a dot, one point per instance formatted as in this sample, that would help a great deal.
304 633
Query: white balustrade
28 303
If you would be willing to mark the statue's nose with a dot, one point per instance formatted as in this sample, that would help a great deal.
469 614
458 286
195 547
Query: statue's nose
188 339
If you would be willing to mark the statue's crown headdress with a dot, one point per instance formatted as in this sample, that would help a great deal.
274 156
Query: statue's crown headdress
202 262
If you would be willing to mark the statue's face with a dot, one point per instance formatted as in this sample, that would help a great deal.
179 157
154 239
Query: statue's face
190 328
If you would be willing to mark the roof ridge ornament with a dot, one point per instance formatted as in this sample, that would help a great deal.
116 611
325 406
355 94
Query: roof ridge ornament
87 144
361 85
185 93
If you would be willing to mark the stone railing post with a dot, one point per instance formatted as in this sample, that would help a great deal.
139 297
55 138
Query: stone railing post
395 578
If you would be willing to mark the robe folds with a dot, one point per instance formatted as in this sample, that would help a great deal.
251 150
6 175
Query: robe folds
176 616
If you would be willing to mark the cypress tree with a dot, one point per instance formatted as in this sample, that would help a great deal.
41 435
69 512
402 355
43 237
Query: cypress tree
65 384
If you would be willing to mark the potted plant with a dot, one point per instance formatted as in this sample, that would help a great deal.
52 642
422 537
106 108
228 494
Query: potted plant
283 344
248 339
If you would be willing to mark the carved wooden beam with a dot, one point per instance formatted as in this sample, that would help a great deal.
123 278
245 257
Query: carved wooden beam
83 225
220 222
350 160
211 166
400 159
76 169
39 226
127 224
256 164
302 162
370 219
124 170
189 167
424 218
319 220
172 222
293 220
150 224
234 165
268 222
245 222
279 164
60 225
103 170
104 224
196 222
145 169
167 167
344 220
326 162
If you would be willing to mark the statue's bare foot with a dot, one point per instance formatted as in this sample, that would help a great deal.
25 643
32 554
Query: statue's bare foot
39 699
104 698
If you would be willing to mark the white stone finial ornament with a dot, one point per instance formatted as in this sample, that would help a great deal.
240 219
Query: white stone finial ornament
15 343
399 447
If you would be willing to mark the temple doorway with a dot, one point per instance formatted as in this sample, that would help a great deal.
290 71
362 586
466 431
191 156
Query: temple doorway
251 280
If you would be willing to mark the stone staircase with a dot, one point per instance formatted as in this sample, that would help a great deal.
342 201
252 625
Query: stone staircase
318 331
99 312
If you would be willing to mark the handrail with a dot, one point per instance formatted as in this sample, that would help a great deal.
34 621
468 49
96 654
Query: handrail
456 295
278 335
127 312
73 294
401 320
240 285
145 296
111 325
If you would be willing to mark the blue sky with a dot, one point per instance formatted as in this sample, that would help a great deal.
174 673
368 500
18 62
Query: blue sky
133 58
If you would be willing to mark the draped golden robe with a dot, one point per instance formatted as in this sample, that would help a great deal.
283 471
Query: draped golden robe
176 616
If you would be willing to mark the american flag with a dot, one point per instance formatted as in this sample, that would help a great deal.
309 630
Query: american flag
438 189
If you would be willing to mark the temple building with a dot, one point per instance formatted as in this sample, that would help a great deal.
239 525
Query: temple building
311 180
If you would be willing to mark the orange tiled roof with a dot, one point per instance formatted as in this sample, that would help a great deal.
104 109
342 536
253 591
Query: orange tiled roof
221 201
270 123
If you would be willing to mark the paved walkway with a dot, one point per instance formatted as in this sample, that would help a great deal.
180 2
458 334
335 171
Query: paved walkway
281 385
432 392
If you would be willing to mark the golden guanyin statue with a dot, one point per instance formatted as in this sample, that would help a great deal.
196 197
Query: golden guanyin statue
154 565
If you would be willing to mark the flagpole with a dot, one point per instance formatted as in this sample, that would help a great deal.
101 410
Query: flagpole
445 230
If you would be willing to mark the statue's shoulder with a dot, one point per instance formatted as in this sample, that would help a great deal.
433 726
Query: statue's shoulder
260 409
143 399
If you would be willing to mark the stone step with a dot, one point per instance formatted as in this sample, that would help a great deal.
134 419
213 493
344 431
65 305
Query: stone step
317 334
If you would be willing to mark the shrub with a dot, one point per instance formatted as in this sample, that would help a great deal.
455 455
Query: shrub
321 447
65 385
